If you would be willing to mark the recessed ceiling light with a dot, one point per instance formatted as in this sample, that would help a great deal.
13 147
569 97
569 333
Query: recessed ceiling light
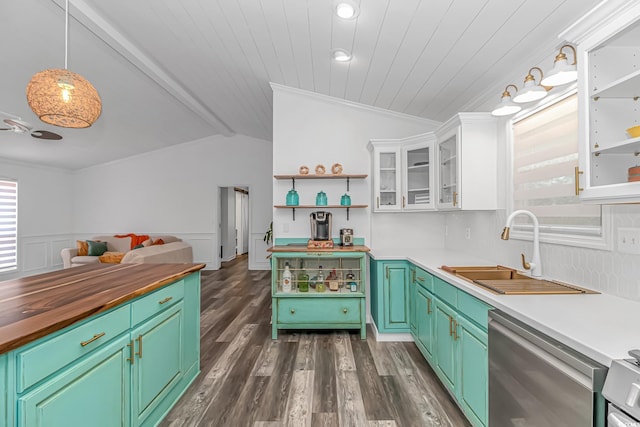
345 10
341 55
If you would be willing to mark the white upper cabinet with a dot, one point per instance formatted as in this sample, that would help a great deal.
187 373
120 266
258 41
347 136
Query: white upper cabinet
467 162
403 173
609 103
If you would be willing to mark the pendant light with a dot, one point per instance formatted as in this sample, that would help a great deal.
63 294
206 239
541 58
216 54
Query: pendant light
562 72
531 91
506 107
61 97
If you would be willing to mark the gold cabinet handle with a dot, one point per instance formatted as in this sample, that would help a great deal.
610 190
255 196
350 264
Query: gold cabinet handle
167 299
345 310
455 198
578 172
420 279
387 272
429 306
413 275
139 353
89 341
293 311
450 325
132 354
455 330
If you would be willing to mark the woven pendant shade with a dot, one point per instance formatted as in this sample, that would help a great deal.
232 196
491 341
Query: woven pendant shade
63 98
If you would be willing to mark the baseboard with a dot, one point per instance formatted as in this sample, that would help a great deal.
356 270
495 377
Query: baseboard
386 337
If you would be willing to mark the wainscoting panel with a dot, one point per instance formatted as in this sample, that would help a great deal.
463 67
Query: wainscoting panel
258 253
34 256
203 248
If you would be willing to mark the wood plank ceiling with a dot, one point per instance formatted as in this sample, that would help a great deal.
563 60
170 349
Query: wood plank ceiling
424 58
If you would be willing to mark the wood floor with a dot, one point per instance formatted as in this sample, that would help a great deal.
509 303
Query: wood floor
321 378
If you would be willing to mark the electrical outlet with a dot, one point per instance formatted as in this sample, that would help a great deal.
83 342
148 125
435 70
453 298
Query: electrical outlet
467 233
629 240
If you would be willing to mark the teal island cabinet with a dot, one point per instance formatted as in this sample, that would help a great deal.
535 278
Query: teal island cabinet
318 288
117 346
451 333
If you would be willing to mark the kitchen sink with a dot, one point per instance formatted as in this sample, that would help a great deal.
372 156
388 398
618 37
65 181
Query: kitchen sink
508 281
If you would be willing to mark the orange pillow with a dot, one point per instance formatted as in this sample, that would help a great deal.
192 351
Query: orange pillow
158 242
83 247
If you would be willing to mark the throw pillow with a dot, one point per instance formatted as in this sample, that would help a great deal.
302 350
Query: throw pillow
147 242
96 248
158 242
83 247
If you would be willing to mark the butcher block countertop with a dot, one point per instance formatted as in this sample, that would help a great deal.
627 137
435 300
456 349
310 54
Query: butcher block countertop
35 306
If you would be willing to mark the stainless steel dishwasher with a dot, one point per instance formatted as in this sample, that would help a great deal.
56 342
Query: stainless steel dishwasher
536 381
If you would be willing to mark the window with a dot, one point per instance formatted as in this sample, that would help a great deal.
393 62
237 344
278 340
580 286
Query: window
8 225
545 154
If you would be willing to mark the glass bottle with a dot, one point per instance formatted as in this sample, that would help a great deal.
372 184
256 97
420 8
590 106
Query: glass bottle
320 286
286 278
303 278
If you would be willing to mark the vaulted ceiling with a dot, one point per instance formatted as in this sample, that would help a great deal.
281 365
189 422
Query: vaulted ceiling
174 71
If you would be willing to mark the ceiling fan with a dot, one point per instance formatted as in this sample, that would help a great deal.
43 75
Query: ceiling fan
17 125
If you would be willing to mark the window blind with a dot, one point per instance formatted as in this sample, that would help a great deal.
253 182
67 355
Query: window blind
8 225
545 153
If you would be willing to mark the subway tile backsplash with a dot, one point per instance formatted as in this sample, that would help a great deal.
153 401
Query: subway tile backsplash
610 272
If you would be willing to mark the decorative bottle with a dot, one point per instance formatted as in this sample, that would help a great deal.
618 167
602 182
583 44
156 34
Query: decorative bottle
303 279
286 278
320 286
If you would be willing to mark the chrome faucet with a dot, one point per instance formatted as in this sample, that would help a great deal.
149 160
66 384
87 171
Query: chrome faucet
535 264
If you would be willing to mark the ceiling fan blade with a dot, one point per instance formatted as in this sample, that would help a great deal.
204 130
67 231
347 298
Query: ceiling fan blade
45 134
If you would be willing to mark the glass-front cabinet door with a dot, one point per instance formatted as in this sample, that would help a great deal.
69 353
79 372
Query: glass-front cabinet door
386 176
418 175
448 188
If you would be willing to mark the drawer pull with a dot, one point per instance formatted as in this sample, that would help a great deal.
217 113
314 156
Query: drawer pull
429 306
345 310
89 341
293 311
455 330
139 353
167 299
450 326
132 354
420 279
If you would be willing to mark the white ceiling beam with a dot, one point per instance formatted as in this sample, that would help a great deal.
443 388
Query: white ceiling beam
92 20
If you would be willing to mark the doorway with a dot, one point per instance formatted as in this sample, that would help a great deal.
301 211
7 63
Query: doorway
234 222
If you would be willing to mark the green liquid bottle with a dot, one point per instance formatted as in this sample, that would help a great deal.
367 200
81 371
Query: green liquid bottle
303 279
320 286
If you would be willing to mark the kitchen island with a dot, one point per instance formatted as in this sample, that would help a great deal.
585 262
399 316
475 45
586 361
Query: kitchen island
600 326
71 344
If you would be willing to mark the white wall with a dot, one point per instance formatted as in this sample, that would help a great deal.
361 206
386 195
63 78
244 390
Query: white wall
175 191
311 129
45 216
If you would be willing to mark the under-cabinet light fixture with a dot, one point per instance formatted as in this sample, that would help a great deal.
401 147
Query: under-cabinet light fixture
506 107
531 91
562 72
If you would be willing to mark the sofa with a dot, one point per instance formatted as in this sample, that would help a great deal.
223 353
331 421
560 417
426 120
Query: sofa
172 250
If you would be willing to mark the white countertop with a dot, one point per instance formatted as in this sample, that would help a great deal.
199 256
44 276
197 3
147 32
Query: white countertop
601 326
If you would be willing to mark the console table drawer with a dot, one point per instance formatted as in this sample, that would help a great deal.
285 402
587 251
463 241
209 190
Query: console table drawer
156 302
51 354
319 310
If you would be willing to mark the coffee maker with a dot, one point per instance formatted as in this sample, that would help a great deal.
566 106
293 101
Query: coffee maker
320 230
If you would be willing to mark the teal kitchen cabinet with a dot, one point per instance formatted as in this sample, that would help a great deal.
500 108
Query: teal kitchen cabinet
473 360
451 333
413 298
342 308
390 296
4 385
425 315
125 367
